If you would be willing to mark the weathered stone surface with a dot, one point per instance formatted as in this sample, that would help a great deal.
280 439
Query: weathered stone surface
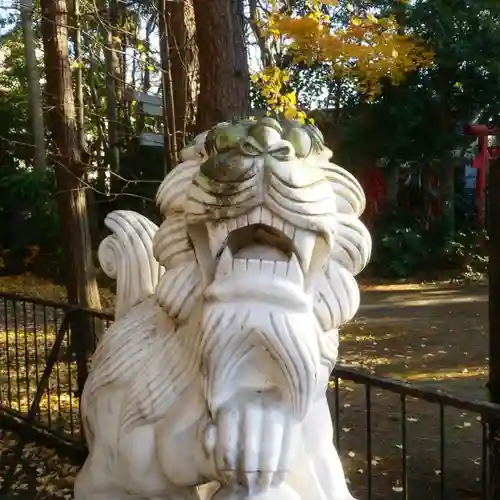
215 371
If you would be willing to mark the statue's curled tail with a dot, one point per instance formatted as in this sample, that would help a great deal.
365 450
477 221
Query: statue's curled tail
127 256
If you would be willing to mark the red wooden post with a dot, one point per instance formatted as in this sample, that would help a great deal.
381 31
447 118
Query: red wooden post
480 162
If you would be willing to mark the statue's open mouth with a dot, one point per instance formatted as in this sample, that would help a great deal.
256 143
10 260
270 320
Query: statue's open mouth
261 250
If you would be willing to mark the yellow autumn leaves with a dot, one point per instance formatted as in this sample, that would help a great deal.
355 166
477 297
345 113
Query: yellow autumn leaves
271 83
366 49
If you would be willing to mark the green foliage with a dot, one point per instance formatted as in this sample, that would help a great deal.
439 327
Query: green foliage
399 247
423 116
467 254
28 220
404 249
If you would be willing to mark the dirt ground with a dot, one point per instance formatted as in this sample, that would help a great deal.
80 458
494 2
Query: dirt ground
433 336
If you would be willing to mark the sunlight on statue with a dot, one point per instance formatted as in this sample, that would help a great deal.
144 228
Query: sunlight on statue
211 382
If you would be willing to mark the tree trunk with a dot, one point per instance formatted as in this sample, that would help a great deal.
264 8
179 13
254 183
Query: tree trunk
224 75
169 125
112 67
70 173
34 94
184 66
77 43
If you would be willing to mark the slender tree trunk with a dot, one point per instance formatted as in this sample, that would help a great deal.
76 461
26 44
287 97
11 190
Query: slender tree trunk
184 66
70 174
265 54
35 99
77 43
112 67
169 125
224 75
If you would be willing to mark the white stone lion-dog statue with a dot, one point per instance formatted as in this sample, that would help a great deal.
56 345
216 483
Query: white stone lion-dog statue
211 382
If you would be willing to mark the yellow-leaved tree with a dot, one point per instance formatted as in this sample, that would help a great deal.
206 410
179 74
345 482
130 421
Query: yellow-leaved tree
353 39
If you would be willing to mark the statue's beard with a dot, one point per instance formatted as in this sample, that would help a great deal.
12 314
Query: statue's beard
253 347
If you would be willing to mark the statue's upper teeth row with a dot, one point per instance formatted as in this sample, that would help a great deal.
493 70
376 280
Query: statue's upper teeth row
303 240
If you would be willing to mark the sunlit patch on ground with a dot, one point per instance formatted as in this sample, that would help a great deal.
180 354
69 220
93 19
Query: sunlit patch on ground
23 358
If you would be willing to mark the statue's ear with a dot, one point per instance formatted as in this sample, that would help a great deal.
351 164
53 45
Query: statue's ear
171 195
350 197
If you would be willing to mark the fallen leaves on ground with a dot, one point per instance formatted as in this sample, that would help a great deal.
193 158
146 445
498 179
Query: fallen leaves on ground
40 473
30 285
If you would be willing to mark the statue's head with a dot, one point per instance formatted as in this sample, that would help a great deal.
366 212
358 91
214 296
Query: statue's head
261 242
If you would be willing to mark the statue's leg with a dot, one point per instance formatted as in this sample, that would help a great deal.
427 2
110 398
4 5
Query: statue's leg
90 486
319 474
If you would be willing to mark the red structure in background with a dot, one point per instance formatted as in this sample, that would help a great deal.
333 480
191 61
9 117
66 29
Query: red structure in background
480 162
375 190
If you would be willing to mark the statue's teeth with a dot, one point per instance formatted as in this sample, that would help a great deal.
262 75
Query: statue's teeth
266 217
217 234
294 272
239 266
253 266
281 269
267 267
226 262
232 225
242 221
304 242
289 230
278 223
255 216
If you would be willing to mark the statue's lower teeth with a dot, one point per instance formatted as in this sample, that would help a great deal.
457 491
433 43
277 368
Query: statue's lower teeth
237 266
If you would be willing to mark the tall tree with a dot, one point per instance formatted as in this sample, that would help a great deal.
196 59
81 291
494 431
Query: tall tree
34 94
184 66
69 171
169 122
112 47
224 75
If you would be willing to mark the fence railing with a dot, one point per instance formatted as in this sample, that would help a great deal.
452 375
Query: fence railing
419 442
42 365
395 437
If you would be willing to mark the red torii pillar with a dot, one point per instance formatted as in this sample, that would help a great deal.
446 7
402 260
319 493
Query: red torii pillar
480 162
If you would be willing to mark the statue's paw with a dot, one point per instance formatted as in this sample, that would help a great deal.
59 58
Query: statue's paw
253 444
281 492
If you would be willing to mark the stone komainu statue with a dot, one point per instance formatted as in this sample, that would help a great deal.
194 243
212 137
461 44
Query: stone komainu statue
215 370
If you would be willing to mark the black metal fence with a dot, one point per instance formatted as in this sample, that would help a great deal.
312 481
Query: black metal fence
414 442
42 367
396 440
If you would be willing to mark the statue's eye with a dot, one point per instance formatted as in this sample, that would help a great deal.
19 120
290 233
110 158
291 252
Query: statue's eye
300 140
250 147
227 139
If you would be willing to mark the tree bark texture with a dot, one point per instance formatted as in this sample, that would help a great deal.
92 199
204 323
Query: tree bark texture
224 75
169 122
184 66
69 171
34 93
77 43
112 46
